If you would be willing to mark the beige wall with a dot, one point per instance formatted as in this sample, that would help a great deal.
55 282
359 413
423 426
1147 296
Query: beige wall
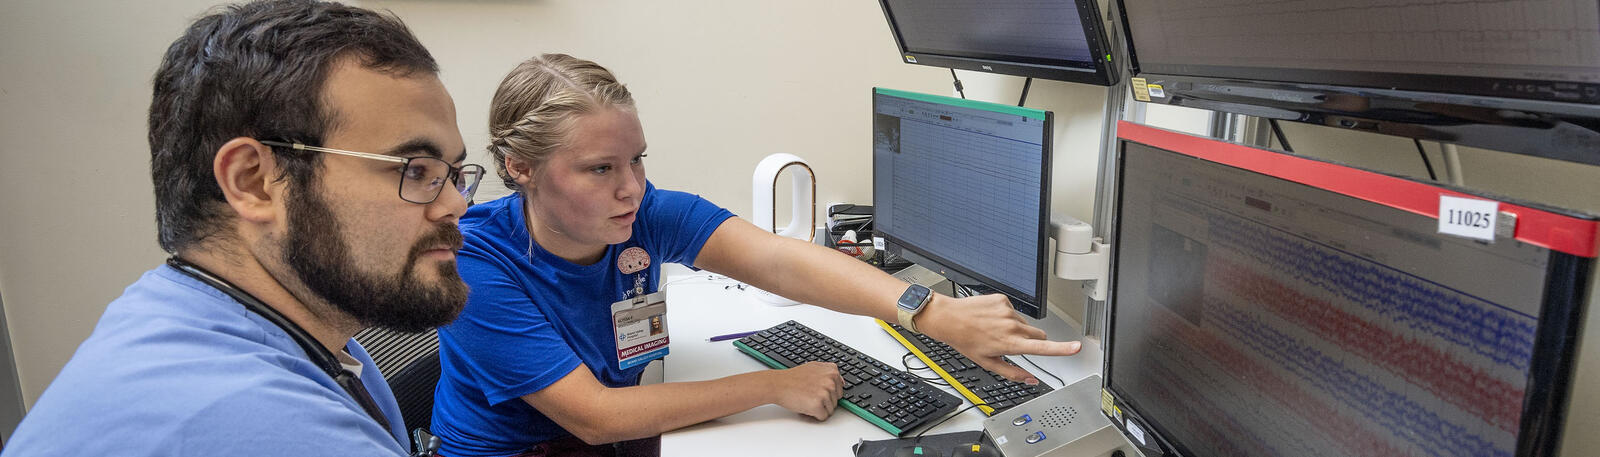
78 222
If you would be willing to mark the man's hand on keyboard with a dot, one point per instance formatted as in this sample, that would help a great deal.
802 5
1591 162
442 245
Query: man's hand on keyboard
812 389
984 328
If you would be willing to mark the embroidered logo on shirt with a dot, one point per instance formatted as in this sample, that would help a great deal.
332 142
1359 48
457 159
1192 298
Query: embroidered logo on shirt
633 260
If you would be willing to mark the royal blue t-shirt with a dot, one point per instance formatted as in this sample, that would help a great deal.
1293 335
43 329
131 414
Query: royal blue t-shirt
177 368
532 317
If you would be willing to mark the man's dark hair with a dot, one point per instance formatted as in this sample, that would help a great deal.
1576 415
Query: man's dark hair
256 70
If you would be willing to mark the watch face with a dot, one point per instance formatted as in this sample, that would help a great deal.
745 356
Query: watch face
913 298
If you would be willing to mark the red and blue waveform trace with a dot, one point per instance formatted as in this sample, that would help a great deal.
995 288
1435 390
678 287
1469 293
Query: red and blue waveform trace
1307 326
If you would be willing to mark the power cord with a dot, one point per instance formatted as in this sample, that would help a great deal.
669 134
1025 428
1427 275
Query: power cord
961 291
1278 131
957 81
1425 162
907 366
1025 84
1035 365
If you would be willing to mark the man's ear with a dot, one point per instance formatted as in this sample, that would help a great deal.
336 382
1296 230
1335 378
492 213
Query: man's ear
520 171
246 171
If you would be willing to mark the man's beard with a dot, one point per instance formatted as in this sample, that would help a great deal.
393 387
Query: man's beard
317 253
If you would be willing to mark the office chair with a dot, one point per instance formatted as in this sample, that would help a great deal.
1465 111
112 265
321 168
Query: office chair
410 364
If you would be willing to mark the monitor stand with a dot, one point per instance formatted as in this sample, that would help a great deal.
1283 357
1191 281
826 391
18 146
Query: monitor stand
1066 422
917 274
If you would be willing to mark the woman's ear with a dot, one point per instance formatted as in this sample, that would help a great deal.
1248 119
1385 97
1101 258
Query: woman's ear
520 171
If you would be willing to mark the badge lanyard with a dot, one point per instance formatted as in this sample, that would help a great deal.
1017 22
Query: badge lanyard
319 355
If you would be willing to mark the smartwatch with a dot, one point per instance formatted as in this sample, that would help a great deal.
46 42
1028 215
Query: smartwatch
912 302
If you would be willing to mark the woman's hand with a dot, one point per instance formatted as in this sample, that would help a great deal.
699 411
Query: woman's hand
812 389
984 328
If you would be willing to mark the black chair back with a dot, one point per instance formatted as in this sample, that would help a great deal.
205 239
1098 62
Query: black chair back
410 364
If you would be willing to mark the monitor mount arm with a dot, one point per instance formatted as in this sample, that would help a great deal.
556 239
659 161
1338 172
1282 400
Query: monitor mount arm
1080 256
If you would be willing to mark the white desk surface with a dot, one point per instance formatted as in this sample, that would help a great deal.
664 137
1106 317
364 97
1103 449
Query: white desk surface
700 307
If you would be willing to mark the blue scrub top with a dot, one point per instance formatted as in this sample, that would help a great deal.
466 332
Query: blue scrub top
177 368
533 317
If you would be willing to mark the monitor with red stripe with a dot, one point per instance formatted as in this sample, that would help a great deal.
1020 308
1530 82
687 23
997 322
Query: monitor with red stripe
1268 304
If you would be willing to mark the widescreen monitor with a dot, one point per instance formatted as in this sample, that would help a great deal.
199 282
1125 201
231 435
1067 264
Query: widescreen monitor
1537 50
1265 304
962 187
1514 76
1050 39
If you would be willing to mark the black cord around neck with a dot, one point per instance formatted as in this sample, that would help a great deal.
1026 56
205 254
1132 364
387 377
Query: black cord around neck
319 354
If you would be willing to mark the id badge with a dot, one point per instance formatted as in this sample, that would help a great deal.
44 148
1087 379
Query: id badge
640 325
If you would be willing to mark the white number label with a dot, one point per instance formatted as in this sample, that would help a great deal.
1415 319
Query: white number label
1138 433
1468 217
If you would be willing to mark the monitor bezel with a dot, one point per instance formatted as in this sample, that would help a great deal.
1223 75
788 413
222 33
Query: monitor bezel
1032 303
1462 110
1562 310
1507 88
1097 71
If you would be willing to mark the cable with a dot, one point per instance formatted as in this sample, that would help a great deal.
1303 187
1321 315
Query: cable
1425 161
918 439
960 291
957 80
1025 84
934 381
711 277
1278 131
1035 365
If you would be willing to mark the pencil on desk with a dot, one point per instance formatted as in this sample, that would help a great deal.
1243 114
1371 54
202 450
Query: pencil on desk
731 336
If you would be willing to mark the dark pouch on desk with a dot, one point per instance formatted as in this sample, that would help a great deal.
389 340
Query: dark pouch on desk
944 442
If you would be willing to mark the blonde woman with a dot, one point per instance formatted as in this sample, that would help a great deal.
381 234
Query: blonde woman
531 369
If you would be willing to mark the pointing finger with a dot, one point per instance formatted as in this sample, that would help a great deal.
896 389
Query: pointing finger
1046 347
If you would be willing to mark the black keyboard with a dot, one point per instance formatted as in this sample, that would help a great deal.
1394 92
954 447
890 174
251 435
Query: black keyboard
894 400
993 392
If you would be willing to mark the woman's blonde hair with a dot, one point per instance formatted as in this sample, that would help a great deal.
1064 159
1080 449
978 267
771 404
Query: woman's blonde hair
534 110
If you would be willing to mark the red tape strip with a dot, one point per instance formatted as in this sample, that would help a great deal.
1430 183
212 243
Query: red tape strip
1553 231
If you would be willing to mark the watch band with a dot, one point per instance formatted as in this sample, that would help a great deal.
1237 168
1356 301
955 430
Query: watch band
907 318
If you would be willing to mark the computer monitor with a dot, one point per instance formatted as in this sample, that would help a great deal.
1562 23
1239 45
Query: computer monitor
1265 304
962 187
1520 77
1533 50
1052 39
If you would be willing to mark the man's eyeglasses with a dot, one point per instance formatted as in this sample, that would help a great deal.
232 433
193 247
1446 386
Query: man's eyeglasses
423 177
